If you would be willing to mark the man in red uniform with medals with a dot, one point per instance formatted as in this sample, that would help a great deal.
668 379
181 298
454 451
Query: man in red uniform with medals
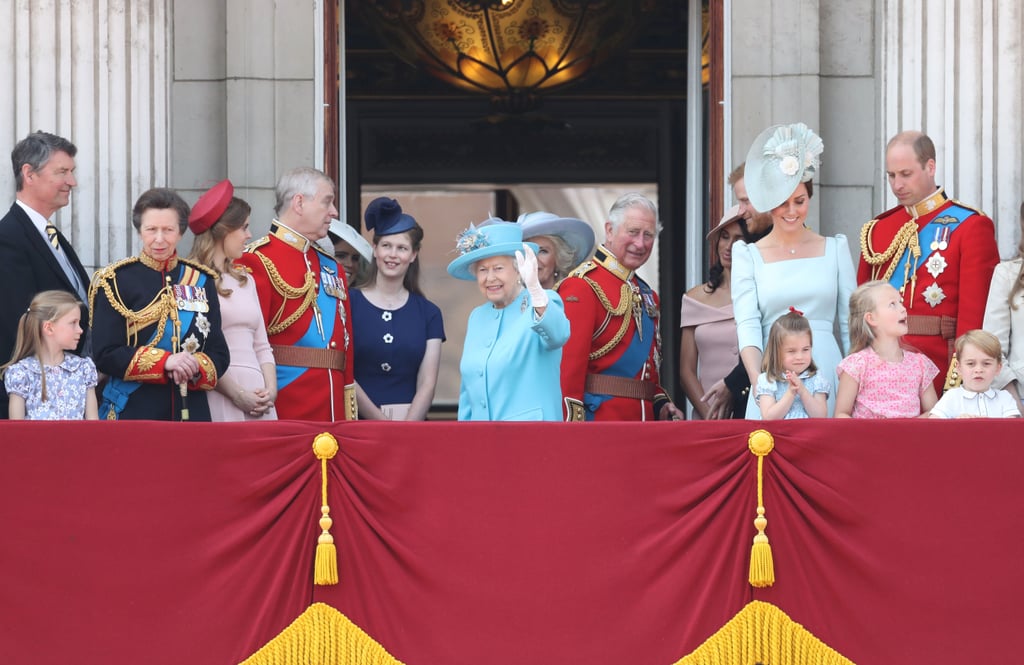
610 365
305 303
938 252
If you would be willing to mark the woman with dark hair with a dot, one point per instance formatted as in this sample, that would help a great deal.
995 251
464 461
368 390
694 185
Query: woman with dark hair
398 332
792 266
708 347
156 322
248 389
1004 318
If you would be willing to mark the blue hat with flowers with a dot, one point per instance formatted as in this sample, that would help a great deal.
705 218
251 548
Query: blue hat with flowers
384 217
781 157
494 237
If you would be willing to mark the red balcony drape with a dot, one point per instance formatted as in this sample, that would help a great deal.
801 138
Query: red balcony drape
459 543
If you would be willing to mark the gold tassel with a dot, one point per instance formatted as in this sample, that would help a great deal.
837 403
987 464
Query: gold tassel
325 568
762 565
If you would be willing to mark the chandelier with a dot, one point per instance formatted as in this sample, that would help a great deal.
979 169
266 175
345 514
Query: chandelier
509 49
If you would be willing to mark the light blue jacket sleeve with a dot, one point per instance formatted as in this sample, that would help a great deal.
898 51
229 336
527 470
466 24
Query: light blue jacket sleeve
744 297
553 327
847 283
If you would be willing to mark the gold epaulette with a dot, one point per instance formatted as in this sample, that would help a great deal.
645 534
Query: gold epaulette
155 312
582 269
210 272
967 207
256 244
102 276
316 246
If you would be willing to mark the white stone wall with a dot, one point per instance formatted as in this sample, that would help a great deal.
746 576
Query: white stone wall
860 72
243 97
96 73
954 70
813 62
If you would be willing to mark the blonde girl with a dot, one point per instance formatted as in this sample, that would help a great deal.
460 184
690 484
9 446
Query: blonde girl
45 380
881 379
789 385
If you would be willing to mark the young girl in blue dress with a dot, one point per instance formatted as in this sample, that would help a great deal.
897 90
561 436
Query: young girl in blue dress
789 385
45 380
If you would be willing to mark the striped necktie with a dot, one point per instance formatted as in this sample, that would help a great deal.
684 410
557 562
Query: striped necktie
51 233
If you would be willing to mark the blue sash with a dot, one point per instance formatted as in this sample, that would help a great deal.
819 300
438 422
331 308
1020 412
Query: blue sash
311 338
117 391
632 359
951 218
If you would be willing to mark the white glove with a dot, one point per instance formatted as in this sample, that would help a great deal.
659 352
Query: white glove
526 260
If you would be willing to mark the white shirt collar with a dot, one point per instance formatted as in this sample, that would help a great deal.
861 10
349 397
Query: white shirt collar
970 394
36 217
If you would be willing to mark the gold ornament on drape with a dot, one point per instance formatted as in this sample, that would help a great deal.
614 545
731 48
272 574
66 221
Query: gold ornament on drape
762 567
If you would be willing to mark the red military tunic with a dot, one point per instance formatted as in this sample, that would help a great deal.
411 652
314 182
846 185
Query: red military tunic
945 296
610 363
305 305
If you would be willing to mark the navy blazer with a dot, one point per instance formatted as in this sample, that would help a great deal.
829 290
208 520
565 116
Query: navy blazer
28 266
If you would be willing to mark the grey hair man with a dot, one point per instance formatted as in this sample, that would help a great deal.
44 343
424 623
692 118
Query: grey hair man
611 363
305 303
34 255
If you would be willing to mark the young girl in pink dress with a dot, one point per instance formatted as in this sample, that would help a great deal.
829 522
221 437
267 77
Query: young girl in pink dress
881 379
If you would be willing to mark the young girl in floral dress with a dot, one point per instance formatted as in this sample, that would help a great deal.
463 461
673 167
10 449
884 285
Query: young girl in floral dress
881 379
45 380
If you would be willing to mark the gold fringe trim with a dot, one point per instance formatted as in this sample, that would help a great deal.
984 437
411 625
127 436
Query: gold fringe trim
325 567
762 565
762 633
325 636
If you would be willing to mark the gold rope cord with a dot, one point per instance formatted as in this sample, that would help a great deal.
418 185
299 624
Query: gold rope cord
905 237
625 300
307 292
762 633
322 635
158 309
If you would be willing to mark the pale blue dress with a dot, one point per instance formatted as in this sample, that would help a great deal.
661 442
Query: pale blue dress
815 384
818 286
511 362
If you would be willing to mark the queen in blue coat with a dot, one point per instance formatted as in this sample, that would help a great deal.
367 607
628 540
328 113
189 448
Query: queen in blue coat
513 349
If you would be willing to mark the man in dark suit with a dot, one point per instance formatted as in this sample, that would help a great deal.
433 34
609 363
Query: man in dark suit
34 255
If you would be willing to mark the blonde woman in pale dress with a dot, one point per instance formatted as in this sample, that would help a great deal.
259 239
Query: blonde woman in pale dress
248 388
708 349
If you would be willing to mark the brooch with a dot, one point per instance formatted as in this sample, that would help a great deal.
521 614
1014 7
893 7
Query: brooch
933 295
936 264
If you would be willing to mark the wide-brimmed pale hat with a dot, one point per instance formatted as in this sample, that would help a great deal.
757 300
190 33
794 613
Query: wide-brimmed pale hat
210 206
731 216
780 158
384 217
578 234
495 237
341 231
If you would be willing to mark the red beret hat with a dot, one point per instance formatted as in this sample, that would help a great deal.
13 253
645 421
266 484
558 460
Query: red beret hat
210 206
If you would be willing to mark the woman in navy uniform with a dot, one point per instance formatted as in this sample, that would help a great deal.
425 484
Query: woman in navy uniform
156 322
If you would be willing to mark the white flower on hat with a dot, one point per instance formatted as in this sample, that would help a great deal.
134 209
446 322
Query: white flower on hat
789 165
795 147
470 239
